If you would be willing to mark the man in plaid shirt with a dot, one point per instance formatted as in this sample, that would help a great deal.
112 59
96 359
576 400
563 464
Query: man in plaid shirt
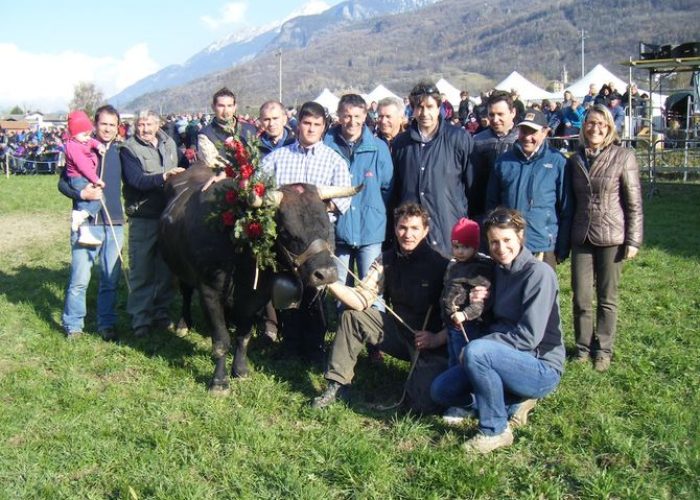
310 161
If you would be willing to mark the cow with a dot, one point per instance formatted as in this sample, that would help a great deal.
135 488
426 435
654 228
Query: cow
231 290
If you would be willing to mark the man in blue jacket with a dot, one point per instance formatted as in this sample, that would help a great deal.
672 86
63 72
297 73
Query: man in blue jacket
532 178
361 230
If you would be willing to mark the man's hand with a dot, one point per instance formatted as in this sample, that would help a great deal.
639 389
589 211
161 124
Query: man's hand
171 172
478 294
100 183
631 252
91 193
458 318
101 149
426 340
217 178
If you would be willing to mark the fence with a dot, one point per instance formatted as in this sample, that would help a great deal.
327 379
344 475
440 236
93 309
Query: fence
44 163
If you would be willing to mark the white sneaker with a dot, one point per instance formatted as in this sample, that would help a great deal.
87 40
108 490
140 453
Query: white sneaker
86 238
481 443
519 418
77 217
456 415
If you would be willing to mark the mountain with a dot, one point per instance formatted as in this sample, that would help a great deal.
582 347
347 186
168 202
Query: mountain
472 43
247 44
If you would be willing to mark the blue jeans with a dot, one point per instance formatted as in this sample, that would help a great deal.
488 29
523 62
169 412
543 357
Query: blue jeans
92 207
500 378
456 341
82 260
362 256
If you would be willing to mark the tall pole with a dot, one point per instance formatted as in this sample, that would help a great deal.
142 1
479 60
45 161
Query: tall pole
583 53
279 53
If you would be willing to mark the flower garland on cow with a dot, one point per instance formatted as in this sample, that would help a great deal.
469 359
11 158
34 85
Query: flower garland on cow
239 208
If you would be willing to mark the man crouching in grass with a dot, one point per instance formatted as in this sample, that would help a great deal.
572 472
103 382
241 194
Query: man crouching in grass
410 278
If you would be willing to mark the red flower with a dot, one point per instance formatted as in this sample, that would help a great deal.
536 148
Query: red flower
247 171
190 154
229 171
259 189
228 218
230 143
231 197
254 230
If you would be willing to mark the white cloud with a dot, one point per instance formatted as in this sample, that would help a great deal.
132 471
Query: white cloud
231 13
46 80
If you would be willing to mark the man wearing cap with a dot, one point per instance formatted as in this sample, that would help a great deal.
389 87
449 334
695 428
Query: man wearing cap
431 164
489 144
533 179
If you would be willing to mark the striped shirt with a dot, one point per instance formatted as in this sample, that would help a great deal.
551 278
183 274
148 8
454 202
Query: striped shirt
318 165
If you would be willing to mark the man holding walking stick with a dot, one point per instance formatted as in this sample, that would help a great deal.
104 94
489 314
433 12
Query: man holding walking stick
410 278
107 254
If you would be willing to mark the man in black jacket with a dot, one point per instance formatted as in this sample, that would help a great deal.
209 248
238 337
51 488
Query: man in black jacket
431 166
489 144
273 124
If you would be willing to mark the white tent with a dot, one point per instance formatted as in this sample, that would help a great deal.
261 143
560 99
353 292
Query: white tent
598 75
528 91
328 100
601 76
380 93
450 91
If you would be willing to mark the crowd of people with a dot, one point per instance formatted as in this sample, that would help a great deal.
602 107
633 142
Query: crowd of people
456 237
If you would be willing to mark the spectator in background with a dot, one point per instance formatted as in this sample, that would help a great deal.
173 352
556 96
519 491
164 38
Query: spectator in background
518 104
465 107
589 99
446 109
573 117
618 113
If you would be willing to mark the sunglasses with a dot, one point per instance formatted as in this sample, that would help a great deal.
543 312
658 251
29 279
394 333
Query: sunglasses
498 219
423 90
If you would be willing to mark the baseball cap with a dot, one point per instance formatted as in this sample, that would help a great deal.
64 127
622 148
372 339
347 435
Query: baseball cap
534 119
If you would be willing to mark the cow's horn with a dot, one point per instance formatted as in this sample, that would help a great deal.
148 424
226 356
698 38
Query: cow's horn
272 198
328 192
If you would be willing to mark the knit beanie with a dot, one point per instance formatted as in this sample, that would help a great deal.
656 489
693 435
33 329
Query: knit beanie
466 232
78 122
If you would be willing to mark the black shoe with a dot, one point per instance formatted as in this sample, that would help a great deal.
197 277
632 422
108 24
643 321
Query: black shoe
332 393
108 334
165 324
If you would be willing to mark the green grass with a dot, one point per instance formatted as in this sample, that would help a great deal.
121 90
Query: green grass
90 419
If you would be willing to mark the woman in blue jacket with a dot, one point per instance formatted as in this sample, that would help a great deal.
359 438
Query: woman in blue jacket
521 353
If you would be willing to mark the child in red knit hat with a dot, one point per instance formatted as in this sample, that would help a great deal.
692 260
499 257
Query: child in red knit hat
466 270
81 169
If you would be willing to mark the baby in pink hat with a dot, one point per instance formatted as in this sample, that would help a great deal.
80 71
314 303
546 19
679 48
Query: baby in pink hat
81 170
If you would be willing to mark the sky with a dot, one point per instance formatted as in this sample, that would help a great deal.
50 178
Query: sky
48 46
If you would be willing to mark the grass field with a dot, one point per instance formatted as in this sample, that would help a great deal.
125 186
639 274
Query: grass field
89 419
